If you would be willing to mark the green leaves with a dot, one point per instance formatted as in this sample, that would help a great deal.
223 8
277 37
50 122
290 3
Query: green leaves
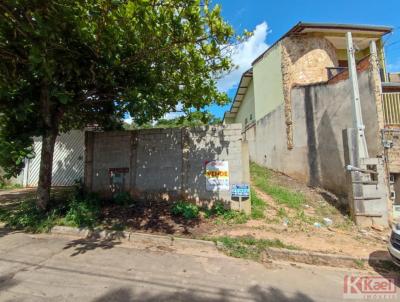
68 63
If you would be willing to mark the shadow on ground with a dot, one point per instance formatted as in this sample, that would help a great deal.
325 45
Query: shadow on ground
7 281
385 268
152 217
4 231
82 246
16 194
255 293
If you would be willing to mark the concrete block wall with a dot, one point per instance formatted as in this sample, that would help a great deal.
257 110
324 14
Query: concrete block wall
319 113
249 136
167 164
368 195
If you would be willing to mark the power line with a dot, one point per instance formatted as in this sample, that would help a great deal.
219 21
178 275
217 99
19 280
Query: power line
390 37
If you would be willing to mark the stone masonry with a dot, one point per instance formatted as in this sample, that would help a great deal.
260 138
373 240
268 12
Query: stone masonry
304 61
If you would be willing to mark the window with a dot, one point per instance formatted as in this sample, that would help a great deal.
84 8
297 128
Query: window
245 121
251 116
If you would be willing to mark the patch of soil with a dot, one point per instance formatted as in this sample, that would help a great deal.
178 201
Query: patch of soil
153 217
296 226
318 240
7 196
342 237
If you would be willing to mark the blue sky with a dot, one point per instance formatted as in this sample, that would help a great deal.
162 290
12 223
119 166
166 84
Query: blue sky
272 19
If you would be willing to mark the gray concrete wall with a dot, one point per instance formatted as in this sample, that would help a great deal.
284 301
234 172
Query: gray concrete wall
319 113
167 164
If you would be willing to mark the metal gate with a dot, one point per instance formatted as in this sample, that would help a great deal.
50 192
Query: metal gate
68 161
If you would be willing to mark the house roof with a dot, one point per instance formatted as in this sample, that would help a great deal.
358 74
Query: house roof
244 83
305 27
331 28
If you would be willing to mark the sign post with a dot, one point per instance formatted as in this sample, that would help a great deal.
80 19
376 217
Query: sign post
240 191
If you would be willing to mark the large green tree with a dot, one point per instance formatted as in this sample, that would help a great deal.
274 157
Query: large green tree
68 63
189 119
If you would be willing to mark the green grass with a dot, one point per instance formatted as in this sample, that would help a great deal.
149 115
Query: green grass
4 186
185 209
77 211
232 217
248 247
262 179
28 217
359 263
257 206
346 225
301 216
225 216
282 213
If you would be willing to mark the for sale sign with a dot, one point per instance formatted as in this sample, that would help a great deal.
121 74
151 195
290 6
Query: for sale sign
217 175
369 287
242 190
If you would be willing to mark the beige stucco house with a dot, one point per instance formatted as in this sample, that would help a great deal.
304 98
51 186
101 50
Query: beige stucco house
296 100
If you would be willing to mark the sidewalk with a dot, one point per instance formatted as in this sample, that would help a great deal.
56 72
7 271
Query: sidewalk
55 268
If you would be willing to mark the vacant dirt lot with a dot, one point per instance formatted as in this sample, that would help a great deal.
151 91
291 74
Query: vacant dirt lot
290 212
301 226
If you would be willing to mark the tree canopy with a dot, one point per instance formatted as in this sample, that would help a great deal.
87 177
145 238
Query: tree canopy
68 63
190 119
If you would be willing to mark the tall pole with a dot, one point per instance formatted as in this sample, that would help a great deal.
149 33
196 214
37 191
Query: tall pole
356 112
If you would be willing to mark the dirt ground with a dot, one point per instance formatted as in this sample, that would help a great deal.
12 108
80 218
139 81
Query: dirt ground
333 240
15 194
296 227
291 226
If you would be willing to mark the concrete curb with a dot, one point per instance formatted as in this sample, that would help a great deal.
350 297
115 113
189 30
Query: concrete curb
315 258
200 247
124 236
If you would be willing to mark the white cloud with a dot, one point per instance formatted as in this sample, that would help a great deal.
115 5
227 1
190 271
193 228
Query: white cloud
128 119
174 114
244 54
168 116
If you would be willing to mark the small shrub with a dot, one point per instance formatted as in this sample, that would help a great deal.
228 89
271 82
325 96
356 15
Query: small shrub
79 210
78 189
123 199
27 216
82 213
235 217
218 209
185 209
226 215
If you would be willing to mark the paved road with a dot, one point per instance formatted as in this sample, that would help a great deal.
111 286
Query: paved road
54 268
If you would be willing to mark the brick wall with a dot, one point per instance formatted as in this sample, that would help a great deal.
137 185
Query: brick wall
362 66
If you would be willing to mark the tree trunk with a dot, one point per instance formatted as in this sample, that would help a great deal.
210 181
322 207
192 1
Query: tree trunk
46 167
51 117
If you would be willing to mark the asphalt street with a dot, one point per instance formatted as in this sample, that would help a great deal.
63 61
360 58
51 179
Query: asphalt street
56 268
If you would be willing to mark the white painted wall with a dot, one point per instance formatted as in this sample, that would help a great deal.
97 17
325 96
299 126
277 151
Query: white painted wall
68 162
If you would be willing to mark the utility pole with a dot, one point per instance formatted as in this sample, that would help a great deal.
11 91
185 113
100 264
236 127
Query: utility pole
357 114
